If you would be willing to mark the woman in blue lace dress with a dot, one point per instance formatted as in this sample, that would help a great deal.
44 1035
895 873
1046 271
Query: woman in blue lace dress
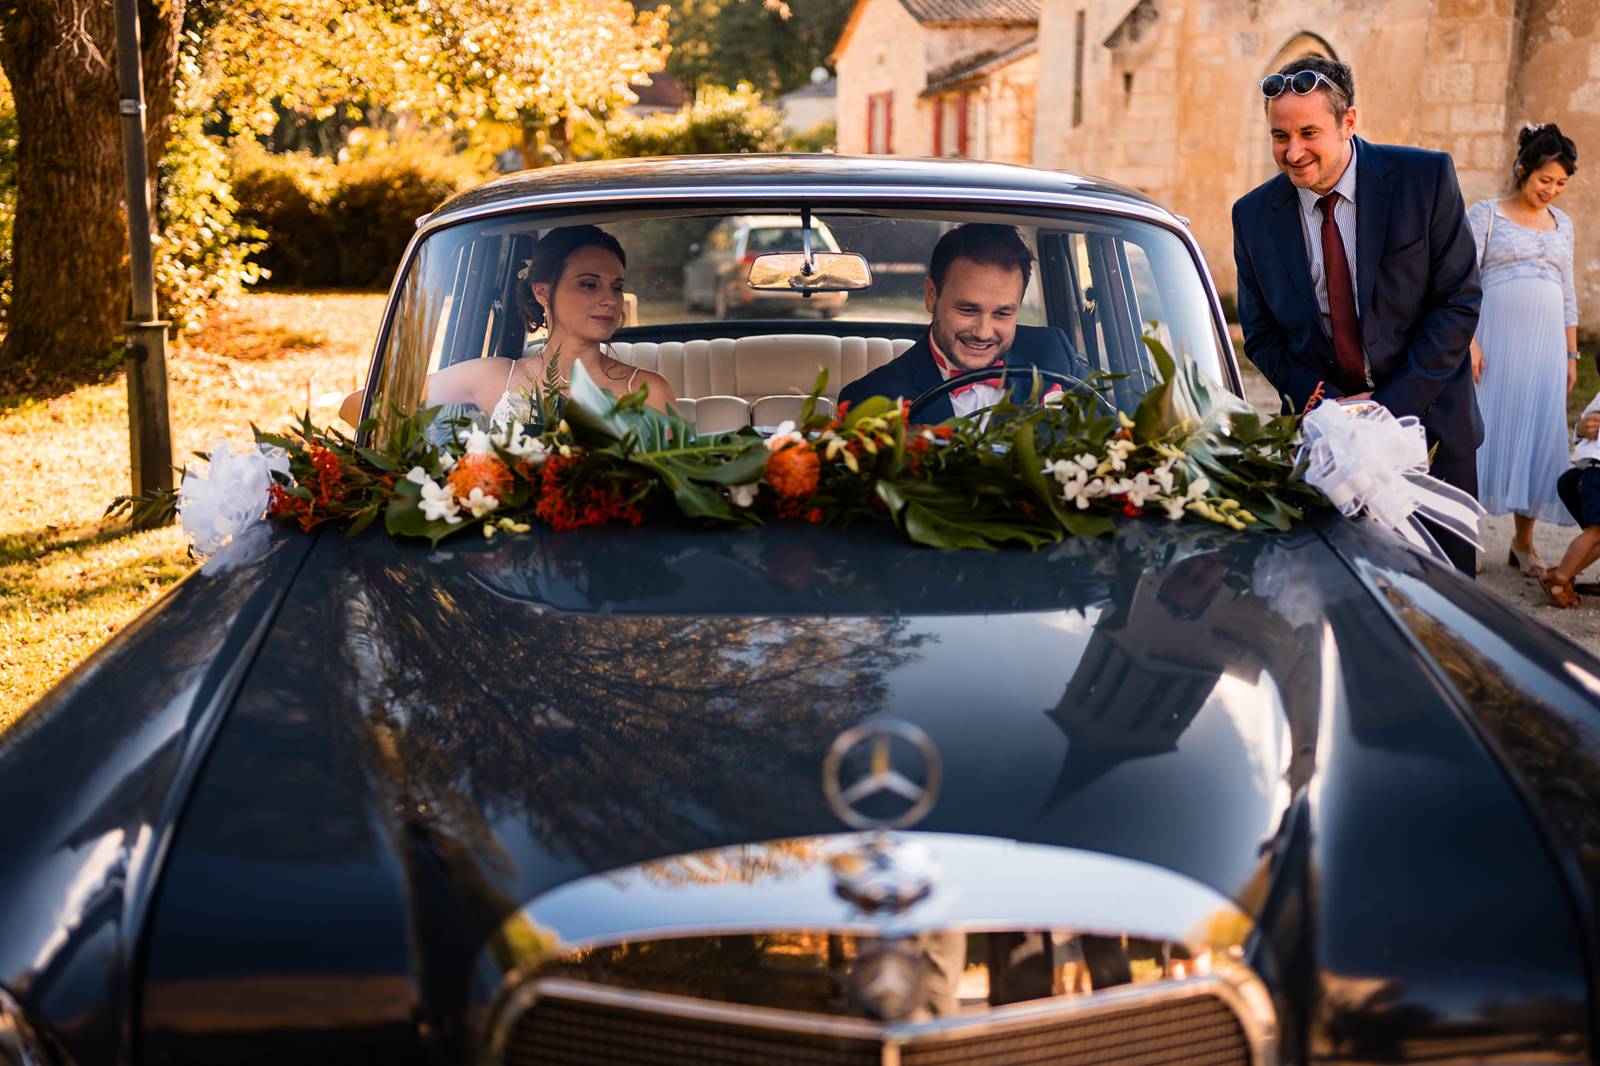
1524 355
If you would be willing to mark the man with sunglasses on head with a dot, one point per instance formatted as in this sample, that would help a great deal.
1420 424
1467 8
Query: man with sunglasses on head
1358 276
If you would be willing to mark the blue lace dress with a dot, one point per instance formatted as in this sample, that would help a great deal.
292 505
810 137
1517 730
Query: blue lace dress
1528 301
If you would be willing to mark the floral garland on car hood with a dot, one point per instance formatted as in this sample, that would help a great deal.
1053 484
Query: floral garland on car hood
1026 476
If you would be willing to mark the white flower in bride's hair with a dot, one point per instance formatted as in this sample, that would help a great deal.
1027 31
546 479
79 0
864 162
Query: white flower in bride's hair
230 497
438 502
744 495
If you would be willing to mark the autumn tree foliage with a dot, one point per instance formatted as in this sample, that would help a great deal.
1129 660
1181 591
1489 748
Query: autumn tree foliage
537 64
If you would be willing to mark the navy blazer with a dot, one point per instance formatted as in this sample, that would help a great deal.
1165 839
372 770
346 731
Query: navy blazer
1417 292
913 372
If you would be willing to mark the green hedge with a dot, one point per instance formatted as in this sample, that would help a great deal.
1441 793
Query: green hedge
343 225
718 121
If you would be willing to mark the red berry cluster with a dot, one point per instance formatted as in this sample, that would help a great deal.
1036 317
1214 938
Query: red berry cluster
563 507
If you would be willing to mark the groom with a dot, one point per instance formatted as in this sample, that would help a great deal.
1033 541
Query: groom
1358 276
973 291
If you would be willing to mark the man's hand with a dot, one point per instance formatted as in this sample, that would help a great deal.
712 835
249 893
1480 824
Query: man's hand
1477 364
1589 425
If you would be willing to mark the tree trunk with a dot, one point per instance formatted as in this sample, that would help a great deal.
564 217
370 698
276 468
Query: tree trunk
69 240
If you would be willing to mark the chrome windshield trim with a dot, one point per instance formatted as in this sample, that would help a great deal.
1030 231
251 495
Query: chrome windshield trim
1235 986
837 193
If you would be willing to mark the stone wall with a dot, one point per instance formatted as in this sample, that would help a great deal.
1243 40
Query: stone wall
1558 80
1003 112
884 52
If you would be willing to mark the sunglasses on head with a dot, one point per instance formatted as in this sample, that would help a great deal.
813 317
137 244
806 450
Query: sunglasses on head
1302 82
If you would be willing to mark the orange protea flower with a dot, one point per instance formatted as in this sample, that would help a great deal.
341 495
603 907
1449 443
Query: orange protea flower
794 472
486 472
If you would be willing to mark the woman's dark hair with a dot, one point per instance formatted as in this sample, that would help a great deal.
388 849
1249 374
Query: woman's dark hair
550 256
1538 145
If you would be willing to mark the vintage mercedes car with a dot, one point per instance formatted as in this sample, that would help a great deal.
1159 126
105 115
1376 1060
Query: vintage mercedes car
801 794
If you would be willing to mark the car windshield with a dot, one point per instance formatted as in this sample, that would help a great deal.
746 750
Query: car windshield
1101 283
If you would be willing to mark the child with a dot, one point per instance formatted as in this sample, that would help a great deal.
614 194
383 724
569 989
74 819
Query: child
1579 489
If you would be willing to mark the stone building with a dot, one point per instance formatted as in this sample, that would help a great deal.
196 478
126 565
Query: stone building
1161 94
939 77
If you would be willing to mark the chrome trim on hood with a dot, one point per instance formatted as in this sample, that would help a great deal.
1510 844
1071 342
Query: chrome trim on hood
985 883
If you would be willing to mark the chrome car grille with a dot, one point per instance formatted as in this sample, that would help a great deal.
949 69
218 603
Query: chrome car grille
574 1023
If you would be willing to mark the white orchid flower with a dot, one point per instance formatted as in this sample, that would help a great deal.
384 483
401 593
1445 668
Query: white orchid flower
439 503
478 443
744 495
783 436
1174 506
1198 488
417 476
479 502
525 447
1089 490
1139 488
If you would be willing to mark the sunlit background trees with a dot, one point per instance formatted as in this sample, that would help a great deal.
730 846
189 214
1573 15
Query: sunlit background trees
295 141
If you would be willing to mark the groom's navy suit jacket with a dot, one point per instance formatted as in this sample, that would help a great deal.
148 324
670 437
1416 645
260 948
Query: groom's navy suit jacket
914 372
1417 292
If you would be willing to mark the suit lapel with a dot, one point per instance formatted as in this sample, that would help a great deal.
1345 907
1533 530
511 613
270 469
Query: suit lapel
1372 216
1289 241
924 376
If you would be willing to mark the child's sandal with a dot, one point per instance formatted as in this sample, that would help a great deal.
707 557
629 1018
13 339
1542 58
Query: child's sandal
1559 589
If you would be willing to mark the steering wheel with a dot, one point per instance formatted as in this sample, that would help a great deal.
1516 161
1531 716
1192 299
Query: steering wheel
948 386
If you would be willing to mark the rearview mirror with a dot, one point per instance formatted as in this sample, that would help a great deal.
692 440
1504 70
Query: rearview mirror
826 272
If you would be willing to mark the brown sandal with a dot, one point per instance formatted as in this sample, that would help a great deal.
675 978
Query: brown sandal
1559 589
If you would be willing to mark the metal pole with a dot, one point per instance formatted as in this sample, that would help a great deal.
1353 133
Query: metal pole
149 430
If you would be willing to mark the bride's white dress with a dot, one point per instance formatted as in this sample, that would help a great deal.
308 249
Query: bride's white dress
518 406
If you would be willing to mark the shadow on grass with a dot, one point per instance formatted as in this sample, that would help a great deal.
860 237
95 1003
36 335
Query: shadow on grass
64 592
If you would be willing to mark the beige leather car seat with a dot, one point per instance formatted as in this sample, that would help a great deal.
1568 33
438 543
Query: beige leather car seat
761 366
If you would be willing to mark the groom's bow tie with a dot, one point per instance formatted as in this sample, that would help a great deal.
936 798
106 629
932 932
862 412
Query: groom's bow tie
994 382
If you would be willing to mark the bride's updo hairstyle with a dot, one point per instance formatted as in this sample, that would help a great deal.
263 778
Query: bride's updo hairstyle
1538 145
550 257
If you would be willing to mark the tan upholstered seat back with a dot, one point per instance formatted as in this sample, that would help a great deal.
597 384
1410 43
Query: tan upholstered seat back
754 367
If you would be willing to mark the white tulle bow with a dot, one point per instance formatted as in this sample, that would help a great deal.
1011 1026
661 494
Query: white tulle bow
222 510
1367 461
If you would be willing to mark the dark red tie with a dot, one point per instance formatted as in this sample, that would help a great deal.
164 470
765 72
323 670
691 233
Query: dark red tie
1341 303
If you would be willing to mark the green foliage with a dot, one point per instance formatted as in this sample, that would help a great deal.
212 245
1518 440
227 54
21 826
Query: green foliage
345 224
719 120
284 196
823 137
377 199
202 246
766 42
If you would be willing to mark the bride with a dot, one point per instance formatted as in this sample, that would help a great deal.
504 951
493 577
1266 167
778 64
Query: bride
574 291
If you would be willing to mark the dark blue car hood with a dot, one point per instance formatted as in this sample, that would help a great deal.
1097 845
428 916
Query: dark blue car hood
431 738
552 706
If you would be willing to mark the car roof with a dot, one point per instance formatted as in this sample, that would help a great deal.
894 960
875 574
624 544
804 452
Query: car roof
818 175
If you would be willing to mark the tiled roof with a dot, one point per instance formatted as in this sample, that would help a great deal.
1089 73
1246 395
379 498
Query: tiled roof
973 10
978 63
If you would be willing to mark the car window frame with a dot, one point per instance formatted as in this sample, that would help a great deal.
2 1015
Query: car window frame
543 211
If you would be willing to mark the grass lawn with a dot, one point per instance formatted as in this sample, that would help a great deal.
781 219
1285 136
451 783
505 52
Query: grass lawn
68 580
